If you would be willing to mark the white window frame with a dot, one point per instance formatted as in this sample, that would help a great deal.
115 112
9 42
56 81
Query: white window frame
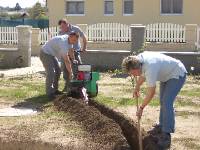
104 8
124 6
170 14
74 14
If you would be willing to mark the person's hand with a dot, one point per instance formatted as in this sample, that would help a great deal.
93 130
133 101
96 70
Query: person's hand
75 62
139 112
70 76
136 92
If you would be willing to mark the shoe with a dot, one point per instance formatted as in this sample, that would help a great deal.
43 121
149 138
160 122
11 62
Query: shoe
57 92
156 130
164 141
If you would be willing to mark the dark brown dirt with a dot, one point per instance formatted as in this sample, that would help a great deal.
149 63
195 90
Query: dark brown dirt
105 126
128 127
101 129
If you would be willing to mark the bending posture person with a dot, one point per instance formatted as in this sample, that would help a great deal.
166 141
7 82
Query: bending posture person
66 28
152 67
56 48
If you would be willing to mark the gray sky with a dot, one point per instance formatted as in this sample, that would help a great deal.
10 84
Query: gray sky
22 3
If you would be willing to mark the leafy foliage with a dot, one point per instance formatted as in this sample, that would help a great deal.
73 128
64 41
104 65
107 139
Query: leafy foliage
38 12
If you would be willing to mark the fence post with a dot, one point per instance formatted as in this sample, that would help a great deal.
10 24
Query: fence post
35 41
24 46
137 37
191 35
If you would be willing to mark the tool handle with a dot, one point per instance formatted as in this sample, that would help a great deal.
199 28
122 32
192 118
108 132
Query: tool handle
138 126
138 118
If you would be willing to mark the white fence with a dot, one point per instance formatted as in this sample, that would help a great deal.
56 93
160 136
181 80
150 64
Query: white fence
109 32
165 32
48 33
8 35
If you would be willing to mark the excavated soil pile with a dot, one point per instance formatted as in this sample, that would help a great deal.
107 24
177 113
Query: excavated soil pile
128 127
105 126
102 130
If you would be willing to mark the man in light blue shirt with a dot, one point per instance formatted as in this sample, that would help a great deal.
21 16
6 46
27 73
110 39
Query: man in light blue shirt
56 48
66 28
152 67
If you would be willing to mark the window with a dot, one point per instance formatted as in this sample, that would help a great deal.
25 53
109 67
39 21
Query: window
75 7
171 6
108 7
128 7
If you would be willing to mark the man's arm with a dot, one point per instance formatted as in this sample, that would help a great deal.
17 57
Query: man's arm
84 39
147 99
84 43
71 54
150 94
68 65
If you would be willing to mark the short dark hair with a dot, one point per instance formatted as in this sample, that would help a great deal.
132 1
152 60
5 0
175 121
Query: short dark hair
74 34
62 21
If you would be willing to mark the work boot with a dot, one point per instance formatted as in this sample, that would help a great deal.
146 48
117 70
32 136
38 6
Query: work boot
164 141
156 130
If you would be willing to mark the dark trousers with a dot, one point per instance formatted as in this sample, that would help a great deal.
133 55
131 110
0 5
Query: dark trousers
53 72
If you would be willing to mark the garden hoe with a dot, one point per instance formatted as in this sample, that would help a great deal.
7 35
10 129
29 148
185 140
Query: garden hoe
138 118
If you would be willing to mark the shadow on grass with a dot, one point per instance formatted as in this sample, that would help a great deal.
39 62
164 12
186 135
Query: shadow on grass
38 102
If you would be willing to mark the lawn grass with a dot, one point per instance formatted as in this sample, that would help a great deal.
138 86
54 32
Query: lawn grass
116 92
33 89
113 102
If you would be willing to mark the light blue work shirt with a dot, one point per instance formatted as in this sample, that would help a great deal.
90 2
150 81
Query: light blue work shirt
76 29
57 46
160 67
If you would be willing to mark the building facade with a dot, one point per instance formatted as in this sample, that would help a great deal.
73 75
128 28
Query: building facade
125 11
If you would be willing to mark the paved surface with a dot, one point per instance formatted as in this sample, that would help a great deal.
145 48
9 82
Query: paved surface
15 112
36 66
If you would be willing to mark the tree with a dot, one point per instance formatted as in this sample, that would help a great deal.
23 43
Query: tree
37 11
17 7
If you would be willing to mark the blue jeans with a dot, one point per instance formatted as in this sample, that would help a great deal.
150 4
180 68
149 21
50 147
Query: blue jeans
168 92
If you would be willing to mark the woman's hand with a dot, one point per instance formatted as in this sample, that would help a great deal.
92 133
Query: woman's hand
136 92
70 76
139 112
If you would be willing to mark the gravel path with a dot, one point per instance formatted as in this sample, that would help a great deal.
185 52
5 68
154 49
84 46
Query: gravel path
36 66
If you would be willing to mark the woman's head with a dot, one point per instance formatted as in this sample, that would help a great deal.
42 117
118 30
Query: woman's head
131 65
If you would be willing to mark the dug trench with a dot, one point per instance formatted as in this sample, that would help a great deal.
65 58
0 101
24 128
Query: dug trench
106 126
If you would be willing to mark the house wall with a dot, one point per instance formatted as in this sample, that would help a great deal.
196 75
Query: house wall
145 12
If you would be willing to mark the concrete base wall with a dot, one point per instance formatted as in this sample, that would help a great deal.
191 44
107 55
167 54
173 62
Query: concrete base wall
170 47
104 60
109 60
126 46
35 50
109 45
8 46
9 58
189 59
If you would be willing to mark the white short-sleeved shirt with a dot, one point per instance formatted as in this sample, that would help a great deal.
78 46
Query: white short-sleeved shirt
160 67
57 46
